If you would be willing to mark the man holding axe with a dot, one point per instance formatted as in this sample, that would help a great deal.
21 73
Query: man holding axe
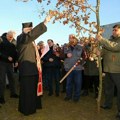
73 52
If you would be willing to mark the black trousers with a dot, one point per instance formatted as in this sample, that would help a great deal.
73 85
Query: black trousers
90 81
53 75
28 100
112 80
6 69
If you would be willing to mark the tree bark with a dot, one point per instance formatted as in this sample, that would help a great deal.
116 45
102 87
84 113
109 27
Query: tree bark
99 59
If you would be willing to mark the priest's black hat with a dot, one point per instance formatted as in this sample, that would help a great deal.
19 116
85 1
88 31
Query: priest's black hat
28 24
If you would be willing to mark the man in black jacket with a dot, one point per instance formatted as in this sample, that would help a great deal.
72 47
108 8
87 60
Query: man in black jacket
28 71
8 56
52 64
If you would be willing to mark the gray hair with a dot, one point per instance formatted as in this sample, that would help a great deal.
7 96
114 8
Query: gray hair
11 32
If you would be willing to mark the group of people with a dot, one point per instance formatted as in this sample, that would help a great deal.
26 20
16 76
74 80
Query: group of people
23 55
33 65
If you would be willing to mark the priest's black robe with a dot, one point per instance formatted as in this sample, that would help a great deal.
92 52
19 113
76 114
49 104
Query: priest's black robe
28 72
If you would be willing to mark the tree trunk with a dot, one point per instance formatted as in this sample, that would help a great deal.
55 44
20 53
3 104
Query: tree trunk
99 59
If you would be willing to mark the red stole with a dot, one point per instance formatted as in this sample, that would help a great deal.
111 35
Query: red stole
39 86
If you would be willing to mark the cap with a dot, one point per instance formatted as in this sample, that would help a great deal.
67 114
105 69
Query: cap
28 24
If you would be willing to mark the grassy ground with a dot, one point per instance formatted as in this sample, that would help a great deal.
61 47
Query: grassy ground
55 108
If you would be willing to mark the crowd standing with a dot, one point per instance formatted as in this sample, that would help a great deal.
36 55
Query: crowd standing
41 67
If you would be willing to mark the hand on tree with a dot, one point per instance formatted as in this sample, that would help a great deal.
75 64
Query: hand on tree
99 37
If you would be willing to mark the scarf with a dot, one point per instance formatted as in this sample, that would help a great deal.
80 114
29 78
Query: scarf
39 85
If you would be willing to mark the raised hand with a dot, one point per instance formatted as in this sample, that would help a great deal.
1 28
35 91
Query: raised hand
47 19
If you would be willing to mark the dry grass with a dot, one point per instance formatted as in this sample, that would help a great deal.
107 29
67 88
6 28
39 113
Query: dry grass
55 108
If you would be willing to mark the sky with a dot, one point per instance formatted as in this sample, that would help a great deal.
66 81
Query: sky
13 14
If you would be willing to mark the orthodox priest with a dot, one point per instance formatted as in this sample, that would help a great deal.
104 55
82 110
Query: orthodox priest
29 66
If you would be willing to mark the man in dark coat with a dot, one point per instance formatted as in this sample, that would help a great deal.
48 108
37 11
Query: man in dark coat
8 56
52 64
28 72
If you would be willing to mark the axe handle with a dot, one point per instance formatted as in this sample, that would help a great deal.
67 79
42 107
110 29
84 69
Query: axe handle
67 73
